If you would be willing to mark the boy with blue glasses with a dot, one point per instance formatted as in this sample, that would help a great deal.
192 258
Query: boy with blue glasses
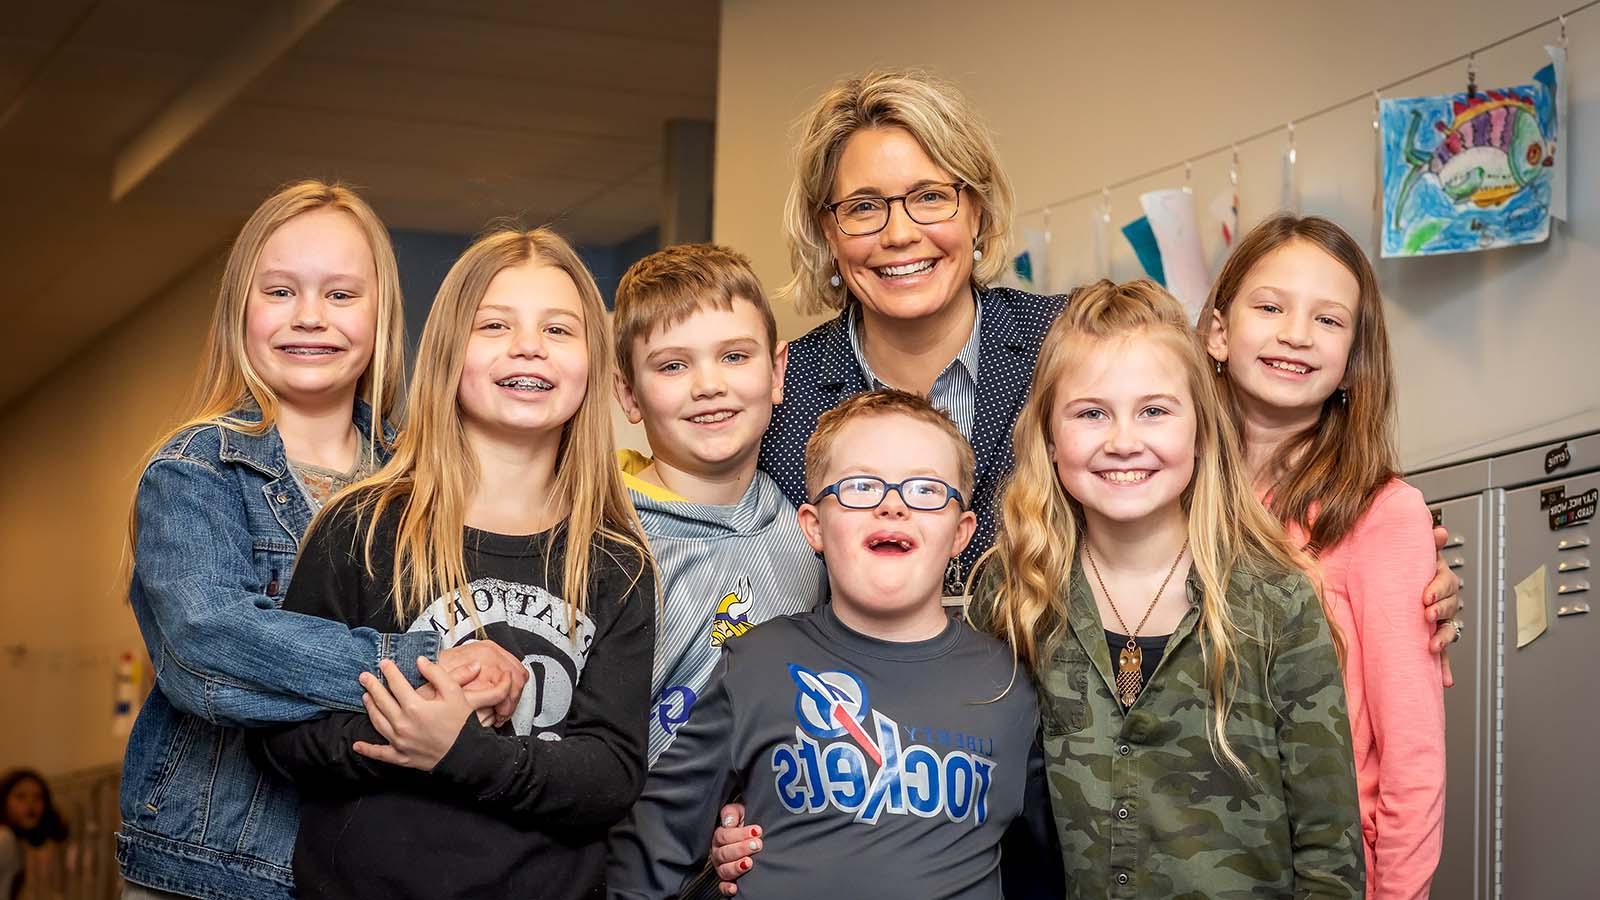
875 738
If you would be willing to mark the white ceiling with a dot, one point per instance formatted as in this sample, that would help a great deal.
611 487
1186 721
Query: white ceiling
446 113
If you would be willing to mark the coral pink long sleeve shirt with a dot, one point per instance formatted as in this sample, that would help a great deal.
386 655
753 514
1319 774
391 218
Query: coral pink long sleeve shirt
1373 581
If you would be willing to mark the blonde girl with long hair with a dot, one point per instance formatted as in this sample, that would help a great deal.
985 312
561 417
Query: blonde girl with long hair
1296 328
1192 711
501 518
296 395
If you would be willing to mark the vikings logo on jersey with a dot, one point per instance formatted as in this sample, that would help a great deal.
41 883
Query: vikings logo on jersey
839 760
732 617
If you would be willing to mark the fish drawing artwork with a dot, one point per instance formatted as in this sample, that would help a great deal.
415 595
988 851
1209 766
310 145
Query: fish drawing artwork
1467 172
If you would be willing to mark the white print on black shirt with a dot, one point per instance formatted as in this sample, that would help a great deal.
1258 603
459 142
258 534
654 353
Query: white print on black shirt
547 696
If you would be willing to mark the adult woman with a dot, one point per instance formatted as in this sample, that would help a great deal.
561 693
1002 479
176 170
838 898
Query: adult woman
899 217
915 308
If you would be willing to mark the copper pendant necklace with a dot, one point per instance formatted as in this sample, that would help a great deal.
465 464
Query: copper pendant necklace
1130 675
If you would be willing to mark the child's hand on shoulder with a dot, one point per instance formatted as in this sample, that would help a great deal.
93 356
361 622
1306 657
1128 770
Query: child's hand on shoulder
420 729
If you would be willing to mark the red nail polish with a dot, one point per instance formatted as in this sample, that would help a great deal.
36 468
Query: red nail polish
754 832
744 865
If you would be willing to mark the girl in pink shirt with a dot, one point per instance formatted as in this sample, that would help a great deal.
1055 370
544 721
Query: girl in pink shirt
1295 324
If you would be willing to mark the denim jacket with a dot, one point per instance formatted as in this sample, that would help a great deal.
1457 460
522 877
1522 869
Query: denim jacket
219 519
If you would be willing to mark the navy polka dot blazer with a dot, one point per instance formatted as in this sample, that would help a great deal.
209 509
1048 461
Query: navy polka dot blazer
823 371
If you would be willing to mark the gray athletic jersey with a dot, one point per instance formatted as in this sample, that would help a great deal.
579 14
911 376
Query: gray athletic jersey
875 768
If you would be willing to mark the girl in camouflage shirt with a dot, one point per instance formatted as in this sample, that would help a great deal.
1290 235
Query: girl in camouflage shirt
1195 727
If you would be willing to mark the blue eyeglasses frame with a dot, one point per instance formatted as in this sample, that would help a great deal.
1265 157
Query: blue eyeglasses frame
952 492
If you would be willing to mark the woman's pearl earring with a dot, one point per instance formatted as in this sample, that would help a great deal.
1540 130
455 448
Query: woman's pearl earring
976 254
835 280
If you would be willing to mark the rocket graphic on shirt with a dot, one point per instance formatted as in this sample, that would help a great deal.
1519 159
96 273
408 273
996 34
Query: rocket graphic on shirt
841 760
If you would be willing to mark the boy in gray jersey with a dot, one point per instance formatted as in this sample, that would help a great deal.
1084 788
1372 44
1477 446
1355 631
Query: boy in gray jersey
700 366
886 748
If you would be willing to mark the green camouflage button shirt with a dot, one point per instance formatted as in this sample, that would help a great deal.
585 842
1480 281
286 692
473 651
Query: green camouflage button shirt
1143 807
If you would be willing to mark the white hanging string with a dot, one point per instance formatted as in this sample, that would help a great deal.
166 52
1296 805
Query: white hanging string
1560 20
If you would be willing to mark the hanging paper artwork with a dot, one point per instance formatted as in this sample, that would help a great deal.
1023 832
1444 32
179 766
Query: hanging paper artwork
1029 268
1142 238
1166 240
1022 267
1224 211
1554 80
1173 221
1464 173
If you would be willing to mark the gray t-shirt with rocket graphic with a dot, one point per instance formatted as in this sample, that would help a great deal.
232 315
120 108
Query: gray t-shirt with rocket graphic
865 762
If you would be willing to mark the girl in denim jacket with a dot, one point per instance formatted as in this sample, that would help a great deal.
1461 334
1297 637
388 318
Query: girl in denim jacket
302 366
501 520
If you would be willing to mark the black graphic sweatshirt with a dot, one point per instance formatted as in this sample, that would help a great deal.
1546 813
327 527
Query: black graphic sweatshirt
521 811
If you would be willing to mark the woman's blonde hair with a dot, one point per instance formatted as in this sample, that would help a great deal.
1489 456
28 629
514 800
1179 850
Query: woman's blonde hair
1340 462
950 132
433 473
1041 527
227 381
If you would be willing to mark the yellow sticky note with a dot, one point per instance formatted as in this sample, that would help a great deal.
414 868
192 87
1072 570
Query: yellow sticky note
1531 608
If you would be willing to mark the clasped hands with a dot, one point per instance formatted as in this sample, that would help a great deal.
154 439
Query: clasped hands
421 724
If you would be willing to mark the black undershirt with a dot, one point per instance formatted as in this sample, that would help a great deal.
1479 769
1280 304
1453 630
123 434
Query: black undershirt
1152 645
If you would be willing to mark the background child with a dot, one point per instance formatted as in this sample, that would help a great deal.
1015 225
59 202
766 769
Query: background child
1194 726
32 836
301 370
699 364
861 733
501 517
1296 327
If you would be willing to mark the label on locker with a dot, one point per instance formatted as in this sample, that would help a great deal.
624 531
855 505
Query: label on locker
1551 495
1532 618
1570 511
1557 458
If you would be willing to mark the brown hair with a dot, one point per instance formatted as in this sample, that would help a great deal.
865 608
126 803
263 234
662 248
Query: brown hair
671 285
1339 463
819 447
939 117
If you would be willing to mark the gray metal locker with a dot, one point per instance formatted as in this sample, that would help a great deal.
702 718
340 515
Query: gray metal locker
1466 865
1551 727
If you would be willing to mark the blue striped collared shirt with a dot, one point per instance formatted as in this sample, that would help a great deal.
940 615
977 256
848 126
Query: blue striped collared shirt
955 390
